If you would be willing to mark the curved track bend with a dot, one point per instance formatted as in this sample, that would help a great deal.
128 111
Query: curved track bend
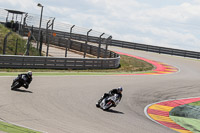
66 104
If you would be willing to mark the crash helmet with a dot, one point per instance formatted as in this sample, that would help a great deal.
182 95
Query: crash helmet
119 89
29 73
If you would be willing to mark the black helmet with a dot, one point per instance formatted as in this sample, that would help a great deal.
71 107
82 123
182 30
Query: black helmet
120 89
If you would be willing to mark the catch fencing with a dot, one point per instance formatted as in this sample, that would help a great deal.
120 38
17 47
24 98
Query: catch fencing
130 45
110 60
75 42
64 30
78 33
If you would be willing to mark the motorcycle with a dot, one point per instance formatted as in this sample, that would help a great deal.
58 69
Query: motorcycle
17 83
109 102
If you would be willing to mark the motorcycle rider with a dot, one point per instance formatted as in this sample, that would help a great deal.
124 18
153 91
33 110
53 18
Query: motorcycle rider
26 77
111 93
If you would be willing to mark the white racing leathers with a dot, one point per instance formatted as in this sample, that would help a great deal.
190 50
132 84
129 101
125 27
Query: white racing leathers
109 102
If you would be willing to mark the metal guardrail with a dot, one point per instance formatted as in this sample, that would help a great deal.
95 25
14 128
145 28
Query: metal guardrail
7 61
156 49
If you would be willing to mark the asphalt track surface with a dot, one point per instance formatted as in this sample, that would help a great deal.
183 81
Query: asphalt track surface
66 104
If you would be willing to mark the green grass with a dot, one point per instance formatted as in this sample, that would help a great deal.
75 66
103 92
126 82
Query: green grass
11 43
195 103
130 64
10 128
188 123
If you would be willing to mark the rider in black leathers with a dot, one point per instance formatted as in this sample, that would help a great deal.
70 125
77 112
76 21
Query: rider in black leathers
26 77
111 93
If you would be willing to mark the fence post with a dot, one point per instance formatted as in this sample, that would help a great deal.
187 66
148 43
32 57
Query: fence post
16 46
69 41
47 38
41 41
66 46
86 43
108 41
52 24
71 35
5 42
99 48
28 43
47 35
24 23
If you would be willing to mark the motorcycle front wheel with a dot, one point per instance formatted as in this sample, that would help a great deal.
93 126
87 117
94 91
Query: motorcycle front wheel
15 85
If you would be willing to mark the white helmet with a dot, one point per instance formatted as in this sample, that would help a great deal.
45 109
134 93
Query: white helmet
29 73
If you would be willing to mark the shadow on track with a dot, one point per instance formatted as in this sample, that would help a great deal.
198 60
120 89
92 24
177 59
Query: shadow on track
25 91
114 111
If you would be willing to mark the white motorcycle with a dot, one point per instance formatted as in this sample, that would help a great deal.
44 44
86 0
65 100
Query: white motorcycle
109 102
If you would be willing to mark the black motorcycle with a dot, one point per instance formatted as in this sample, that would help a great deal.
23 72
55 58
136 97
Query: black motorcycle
17 83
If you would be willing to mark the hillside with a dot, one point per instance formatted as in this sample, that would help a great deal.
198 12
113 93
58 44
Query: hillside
11 43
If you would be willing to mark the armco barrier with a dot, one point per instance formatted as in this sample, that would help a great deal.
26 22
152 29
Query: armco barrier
35 62
156 49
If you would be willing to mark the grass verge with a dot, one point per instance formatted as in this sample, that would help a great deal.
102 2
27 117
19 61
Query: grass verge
11 43
195 103
188 123
10 128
